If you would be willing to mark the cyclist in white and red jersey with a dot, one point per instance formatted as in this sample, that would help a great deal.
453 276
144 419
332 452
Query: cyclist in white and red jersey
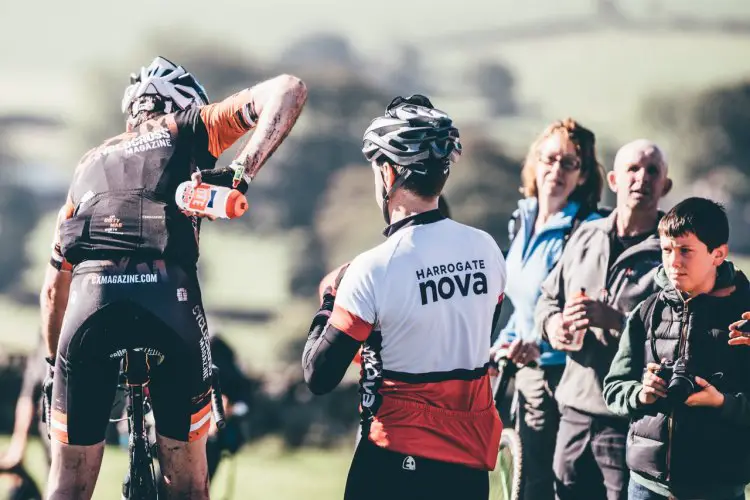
422 304
330 278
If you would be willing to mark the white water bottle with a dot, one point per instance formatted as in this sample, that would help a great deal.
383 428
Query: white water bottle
207 199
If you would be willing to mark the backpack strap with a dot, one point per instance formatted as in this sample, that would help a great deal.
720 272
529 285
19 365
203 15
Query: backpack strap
647 312
583 213
514 226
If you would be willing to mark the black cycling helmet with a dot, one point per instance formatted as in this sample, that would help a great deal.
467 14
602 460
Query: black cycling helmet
413 137
166 81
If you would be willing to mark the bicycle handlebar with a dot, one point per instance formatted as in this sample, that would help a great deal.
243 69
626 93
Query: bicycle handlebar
503 358
506 371
47 403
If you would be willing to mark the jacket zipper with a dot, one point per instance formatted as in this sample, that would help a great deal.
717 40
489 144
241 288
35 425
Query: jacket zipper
670 420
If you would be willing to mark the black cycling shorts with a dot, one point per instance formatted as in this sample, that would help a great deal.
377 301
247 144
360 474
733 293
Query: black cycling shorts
378 474
115 306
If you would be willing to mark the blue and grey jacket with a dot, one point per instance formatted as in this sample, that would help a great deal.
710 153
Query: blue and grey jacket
530 259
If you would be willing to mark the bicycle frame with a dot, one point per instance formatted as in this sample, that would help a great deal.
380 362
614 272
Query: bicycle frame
506 374
508 476
140 483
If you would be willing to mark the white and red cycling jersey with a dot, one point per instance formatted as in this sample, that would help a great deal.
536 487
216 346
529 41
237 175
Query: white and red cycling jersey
422 304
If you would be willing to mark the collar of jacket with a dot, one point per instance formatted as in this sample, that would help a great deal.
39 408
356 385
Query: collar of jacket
727 277
528 208
609 223
414 220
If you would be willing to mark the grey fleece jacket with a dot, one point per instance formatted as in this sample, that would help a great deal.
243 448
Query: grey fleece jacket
584 264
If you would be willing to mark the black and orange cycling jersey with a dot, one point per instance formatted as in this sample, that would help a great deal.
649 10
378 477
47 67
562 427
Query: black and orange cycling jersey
123 190
133 256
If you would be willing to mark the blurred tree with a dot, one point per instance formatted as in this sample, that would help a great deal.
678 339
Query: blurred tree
7 155
606 157
342 102
19 214
402 73
496 83
409 75
715 122
19 208
483 189
710 128
307 263
348 220
321 50
14 122
339 108
222 70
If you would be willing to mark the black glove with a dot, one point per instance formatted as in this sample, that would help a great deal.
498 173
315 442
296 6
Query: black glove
329 294
326 308
47 392
222 176
50 368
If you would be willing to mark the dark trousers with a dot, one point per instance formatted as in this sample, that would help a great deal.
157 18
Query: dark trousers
379 474
640 492
589 458
538 419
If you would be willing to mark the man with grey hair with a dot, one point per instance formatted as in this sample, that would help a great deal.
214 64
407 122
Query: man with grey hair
606 269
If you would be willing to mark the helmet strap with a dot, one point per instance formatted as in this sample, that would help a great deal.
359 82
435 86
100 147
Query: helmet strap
388 193
151 103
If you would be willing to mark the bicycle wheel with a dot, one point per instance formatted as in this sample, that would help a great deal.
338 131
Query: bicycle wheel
506 481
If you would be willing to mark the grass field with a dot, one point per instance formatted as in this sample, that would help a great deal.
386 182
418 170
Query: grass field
263 471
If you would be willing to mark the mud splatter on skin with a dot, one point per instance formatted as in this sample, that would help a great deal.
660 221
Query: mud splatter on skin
274 124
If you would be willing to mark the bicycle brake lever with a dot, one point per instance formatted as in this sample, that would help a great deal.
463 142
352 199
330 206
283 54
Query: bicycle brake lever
217 402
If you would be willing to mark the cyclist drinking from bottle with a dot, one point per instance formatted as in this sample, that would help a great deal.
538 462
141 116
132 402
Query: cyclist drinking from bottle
123 269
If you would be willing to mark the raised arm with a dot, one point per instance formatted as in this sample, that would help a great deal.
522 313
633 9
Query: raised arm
270 107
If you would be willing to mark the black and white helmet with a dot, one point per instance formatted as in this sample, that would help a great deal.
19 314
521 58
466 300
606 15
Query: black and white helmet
411 132
172 84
